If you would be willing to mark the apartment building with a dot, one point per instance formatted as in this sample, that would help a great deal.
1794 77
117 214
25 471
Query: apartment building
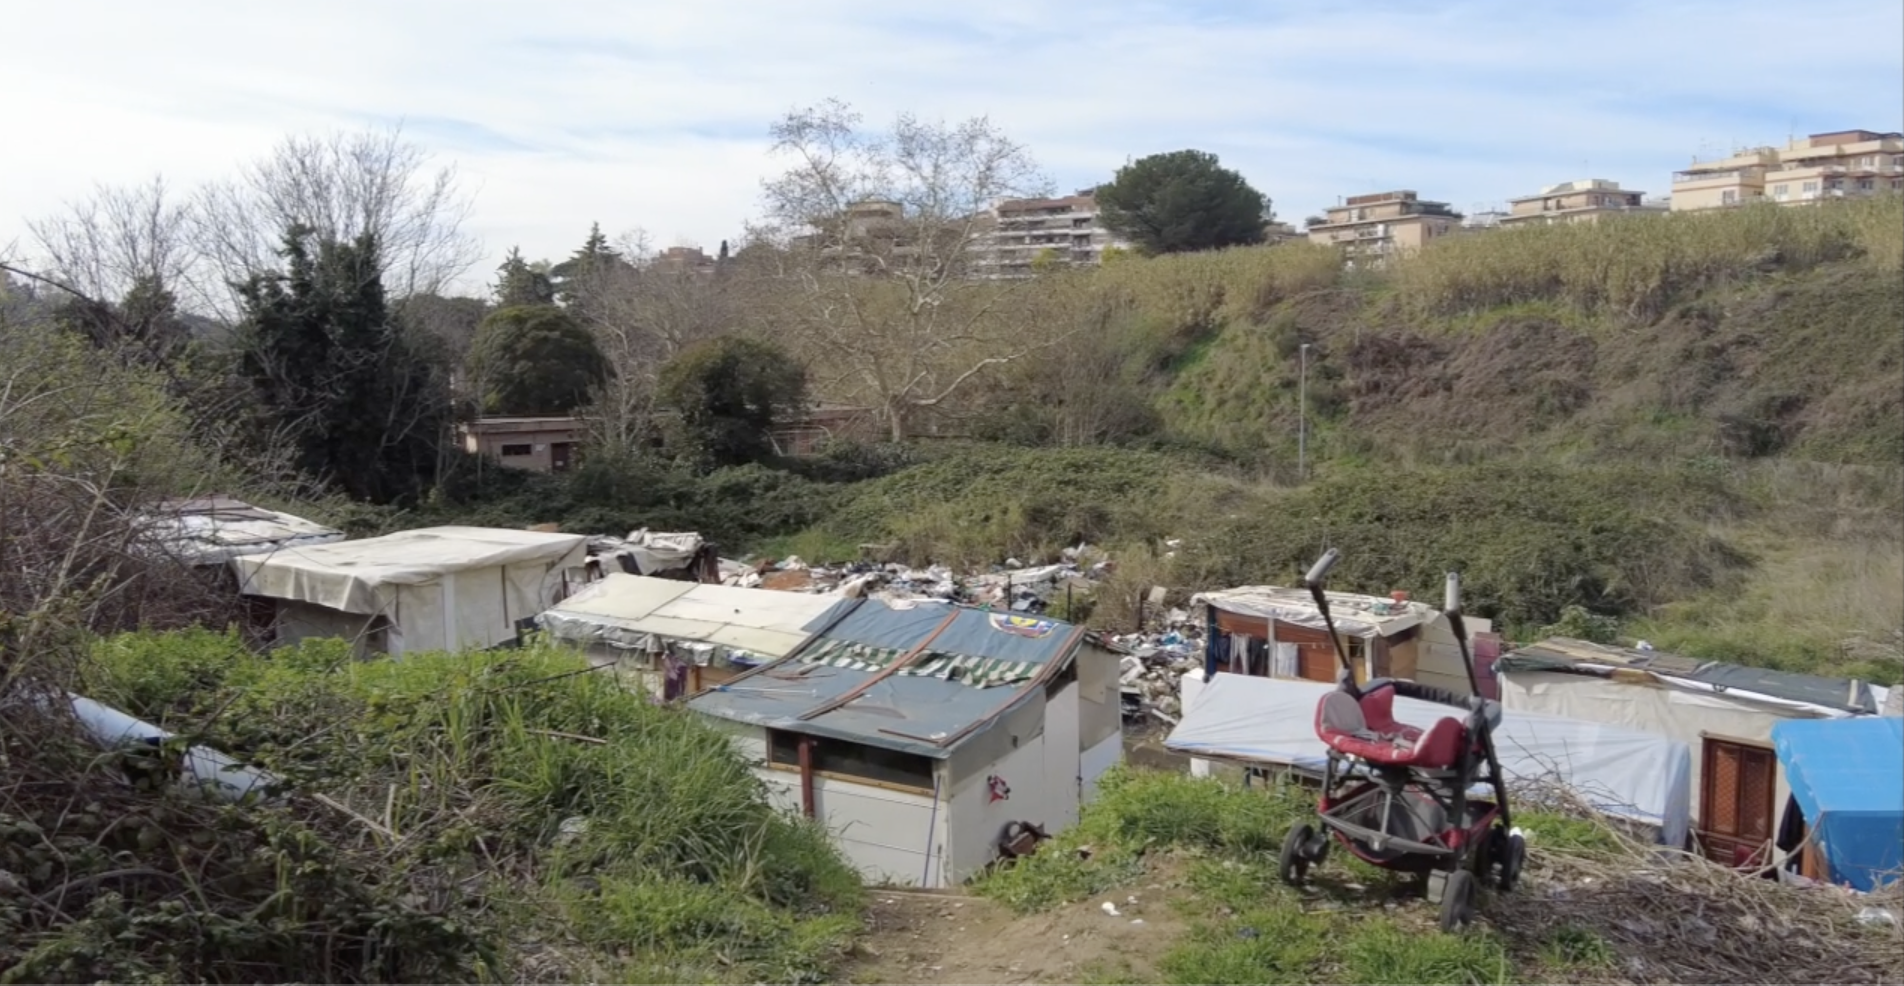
1585 200
1840 164
1021 232
1368 228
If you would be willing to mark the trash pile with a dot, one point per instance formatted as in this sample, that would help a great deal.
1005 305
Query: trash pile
1153 663
1013 586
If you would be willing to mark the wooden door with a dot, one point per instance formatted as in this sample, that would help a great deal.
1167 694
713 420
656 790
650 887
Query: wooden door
1736 787
559 456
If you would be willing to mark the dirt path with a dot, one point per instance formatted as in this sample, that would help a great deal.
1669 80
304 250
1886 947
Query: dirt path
930 938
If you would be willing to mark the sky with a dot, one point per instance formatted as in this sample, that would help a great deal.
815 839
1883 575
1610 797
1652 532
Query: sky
654 116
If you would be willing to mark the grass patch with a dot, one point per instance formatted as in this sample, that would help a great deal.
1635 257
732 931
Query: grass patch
651 853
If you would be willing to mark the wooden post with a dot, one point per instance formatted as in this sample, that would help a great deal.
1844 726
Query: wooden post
806 776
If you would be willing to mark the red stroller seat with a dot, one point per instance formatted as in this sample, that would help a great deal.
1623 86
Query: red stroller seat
1365 727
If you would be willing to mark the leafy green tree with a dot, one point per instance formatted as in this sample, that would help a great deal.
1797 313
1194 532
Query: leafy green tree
535 359
520 284
336 376
1182 201
728 393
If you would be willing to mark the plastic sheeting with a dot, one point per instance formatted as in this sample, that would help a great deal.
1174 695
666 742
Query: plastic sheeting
1622 772
1848 776
654 552
355 576
215 529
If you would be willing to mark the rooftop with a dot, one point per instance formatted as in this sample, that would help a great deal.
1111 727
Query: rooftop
1584 657
213 529
1354 614
976 665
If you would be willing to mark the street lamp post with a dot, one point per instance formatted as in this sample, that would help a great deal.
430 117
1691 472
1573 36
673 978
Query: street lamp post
1302 416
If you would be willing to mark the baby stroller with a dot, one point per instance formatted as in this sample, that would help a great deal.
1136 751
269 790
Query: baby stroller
1397 796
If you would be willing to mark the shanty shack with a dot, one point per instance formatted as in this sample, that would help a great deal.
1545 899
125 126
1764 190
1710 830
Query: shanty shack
435 588
1276 632
1268 724
925 736
1725 712
676 638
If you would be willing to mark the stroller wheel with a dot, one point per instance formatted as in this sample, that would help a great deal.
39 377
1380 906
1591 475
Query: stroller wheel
1513 855
1457 901
1293 866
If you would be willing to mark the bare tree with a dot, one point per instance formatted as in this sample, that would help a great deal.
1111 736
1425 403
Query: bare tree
102 246
340 186
875 237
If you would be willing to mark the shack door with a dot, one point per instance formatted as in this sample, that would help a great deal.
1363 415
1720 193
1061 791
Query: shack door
1736 790
559 456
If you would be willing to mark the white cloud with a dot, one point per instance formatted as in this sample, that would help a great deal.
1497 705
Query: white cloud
654 115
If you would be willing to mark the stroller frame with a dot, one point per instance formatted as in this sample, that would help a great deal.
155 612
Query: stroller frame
1453 840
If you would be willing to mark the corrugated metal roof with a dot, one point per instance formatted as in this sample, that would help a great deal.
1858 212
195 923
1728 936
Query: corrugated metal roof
916 713
1564 653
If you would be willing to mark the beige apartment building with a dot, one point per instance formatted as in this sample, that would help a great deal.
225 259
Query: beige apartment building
1585 200
1836 165
537 444
1061 230
1368 228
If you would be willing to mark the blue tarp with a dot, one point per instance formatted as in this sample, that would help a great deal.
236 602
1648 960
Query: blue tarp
1848 776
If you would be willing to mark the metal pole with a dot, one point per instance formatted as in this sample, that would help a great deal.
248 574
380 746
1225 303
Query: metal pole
1302 416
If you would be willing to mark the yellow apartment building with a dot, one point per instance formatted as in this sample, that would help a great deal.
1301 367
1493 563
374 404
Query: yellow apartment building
1372 227
1836 165
1585 200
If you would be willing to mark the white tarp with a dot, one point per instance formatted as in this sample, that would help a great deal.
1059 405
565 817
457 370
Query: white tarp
439 588
215 529
1622 772
632 612
654 552
354 576
1355 615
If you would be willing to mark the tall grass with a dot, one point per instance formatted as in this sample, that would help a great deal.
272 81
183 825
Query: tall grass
625 836
1637 266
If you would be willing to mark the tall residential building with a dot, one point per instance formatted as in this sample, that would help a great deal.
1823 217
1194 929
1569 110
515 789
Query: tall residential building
1372 227
1060 231
1585 200
1841 164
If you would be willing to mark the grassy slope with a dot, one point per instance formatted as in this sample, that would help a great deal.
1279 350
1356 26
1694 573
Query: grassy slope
683 874
1248 927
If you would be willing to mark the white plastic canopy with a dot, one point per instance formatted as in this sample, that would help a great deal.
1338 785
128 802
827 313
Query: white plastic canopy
1621 772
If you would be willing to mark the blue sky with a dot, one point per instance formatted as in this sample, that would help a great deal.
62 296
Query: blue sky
653 116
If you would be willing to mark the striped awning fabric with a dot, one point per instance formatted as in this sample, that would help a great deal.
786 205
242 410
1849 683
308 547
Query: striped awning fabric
979 672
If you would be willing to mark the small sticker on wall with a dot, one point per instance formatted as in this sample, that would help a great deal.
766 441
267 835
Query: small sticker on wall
997 789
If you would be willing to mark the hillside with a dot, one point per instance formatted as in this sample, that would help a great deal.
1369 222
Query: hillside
1692 425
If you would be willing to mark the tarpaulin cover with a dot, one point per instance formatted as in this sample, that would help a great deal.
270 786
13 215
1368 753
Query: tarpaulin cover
1848 776
1621 772
215 529
917 714
634 612
1355 615
353 576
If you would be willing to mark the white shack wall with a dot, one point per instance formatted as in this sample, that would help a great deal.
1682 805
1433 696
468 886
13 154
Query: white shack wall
888 835
974 821
1095 761
1064 760
1657 709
